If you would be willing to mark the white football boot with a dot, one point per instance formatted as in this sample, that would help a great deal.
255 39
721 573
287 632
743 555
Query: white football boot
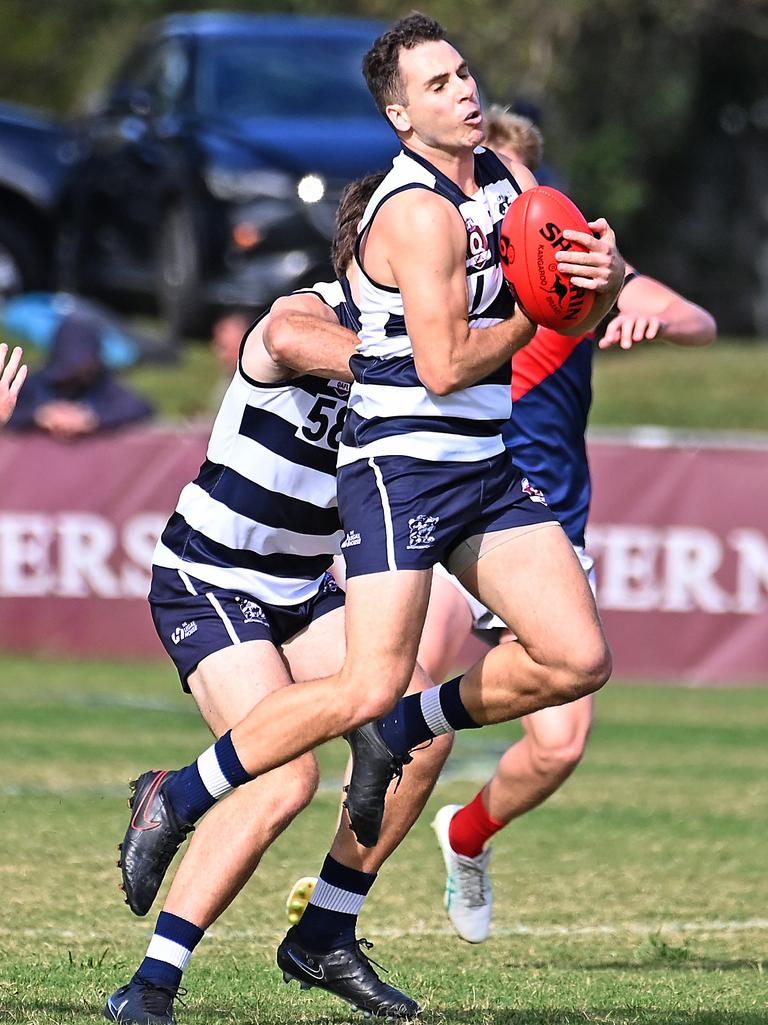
468 896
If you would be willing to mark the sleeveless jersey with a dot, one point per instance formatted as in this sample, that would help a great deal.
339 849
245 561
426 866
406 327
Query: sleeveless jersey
551 396
261 515
390 411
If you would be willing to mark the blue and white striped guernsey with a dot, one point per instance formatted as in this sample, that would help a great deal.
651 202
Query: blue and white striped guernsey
261 515
390 411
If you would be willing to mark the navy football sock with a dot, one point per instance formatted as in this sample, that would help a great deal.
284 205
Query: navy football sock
419 717
197 787
330 918
169 951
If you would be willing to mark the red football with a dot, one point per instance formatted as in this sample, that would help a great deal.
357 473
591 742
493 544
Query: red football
531 234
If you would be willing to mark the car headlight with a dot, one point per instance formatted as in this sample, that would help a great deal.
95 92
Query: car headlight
311 188
240 186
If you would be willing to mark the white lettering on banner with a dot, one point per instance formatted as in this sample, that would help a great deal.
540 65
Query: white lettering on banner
25 563
675 569
140 535
752 581
693 557
86 543
628 577
76 555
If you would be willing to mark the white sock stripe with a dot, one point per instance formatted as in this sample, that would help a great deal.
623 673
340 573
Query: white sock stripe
433 713
333 899
223 617
162 949
389 532
214 780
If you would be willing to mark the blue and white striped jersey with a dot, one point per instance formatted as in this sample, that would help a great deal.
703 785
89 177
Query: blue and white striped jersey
390 411
261 515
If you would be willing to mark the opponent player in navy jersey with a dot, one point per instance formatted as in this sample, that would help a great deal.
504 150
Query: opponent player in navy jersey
425 475
552 392
241 596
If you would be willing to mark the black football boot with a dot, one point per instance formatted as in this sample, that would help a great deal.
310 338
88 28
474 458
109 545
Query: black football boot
154 835
141 1003
347 972
374 767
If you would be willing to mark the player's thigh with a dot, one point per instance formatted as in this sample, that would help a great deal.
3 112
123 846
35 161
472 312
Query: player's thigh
228 683
532 579
385 616
562 727
319 649
447 626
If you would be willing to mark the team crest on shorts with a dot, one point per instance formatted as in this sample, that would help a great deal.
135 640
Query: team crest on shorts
329 585
533 493
252 611
421 531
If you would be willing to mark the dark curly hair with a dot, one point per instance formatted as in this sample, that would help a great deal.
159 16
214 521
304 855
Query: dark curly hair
354 200
381 65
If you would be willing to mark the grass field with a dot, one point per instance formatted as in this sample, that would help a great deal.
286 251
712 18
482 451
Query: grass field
637 894
718 388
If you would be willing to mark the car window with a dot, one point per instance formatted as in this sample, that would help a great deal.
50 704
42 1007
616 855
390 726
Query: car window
161 71
304 77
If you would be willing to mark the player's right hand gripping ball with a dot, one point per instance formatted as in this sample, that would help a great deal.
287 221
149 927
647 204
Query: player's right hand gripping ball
531 234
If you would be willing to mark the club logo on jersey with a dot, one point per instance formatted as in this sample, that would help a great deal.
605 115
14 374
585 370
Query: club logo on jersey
478 251
182 632
340 387
252 611
504 204
421 531
351 539
533 493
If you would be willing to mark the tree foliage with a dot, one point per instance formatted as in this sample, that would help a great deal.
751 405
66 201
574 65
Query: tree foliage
637 96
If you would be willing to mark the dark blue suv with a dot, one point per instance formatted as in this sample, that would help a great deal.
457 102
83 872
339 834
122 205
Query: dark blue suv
209 174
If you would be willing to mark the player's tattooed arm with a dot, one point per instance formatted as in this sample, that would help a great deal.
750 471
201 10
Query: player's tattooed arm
650 311
300 335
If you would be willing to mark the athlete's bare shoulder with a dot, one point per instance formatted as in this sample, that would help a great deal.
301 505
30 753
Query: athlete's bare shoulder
419 227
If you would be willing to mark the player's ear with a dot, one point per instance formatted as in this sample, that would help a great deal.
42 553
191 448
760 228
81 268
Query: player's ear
398 117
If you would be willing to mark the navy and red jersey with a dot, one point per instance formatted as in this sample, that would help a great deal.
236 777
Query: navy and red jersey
551 396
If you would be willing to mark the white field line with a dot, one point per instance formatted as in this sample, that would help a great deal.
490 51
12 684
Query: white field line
721 926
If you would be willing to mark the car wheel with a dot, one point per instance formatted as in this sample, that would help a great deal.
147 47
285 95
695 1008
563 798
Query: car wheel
179 277
21 261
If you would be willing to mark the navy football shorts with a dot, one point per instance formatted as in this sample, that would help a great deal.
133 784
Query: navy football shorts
194 619
400 513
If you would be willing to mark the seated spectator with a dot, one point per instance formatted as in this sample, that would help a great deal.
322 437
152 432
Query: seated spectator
12 377
75 394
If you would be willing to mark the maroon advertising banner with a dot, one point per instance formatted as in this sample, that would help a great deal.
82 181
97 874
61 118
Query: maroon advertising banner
678 534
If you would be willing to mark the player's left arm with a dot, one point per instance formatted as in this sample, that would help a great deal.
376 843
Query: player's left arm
650 311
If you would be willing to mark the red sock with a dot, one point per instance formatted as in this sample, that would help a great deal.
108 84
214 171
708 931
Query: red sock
471 827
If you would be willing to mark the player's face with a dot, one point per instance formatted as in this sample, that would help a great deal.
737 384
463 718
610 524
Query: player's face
442 107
